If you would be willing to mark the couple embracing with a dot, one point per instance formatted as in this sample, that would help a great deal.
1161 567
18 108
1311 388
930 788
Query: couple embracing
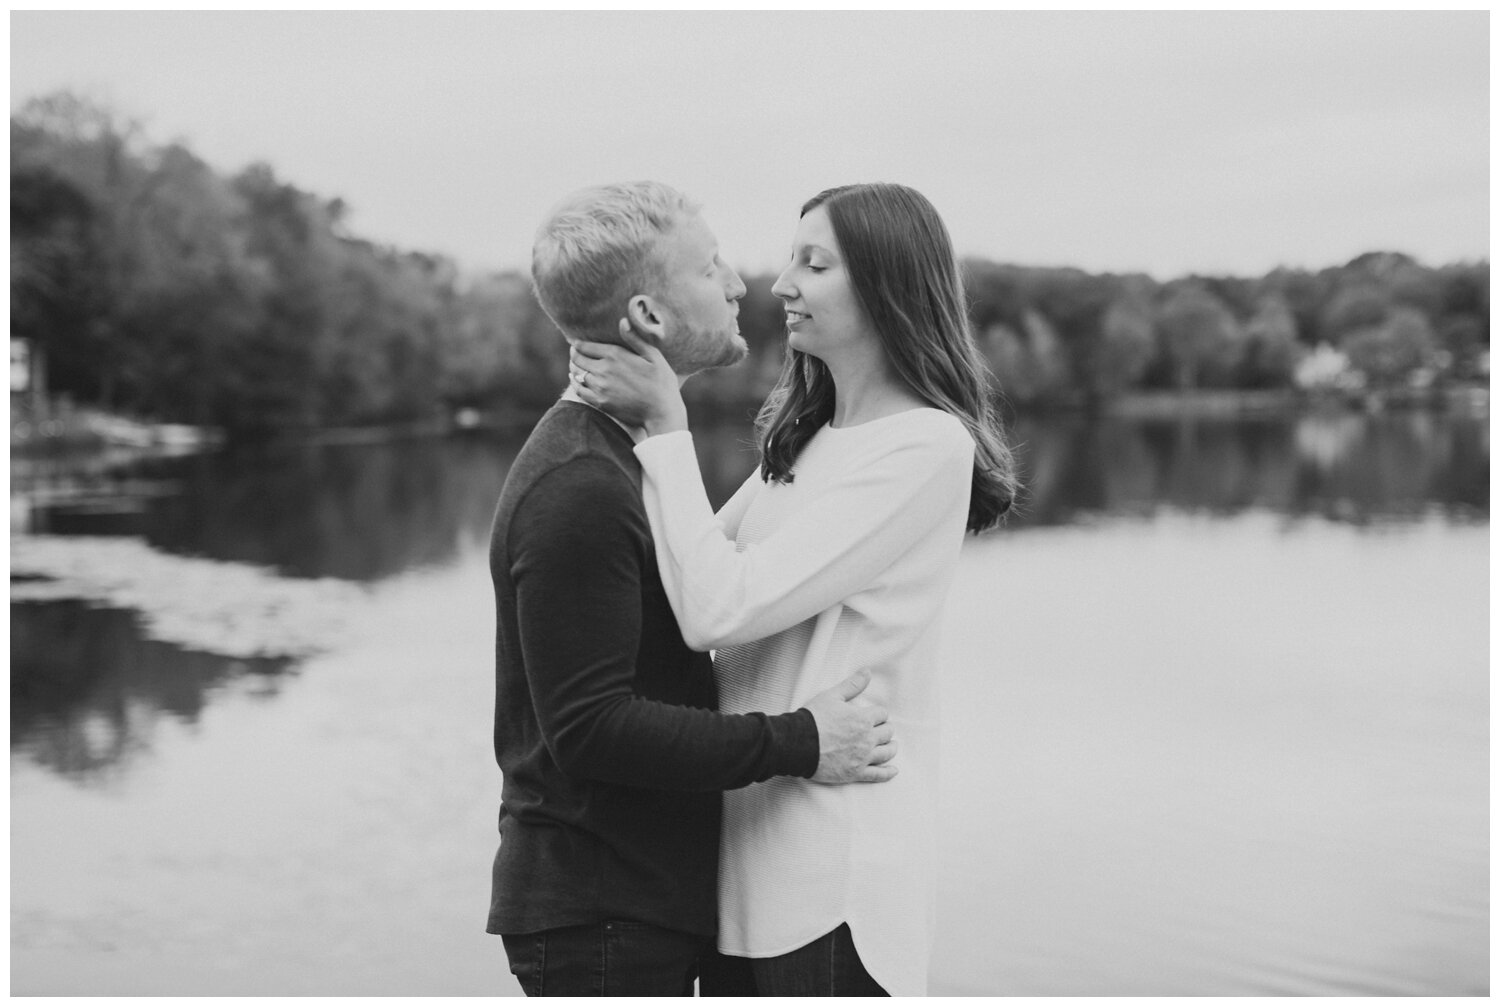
743 821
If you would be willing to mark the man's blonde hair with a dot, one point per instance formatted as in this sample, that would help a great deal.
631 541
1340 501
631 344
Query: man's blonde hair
597 249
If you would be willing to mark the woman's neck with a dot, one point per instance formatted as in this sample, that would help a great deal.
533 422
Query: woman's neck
868 389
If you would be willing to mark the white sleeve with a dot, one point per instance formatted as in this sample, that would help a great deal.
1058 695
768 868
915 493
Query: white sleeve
733 511
834 546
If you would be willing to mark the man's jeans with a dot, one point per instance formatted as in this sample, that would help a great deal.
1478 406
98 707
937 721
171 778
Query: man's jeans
827 967
613 958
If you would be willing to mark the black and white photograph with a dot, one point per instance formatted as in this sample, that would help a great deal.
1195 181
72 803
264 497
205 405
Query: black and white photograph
750 503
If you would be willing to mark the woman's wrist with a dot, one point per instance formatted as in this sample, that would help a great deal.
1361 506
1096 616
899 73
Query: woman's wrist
667 422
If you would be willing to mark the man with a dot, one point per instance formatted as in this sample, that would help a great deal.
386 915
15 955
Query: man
605 730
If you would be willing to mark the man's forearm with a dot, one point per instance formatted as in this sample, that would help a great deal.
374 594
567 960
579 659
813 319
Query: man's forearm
644 743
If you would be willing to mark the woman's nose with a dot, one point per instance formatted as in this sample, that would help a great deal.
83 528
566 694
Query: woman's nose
783 287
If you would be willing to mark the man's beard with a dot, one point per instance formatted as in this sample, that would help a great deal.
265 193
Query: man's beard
698 353
735 350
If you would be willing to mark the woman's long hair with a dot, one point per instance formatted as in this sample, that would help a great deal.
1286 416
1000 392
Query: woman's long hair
904 273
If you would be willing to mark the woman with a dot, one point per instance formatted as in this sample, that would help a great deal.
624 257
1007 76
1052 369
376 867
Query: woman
879 448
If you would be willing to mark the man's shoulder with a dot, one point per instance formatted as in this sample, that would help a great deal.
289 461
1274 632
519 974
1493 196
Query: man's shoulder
572 463
572 442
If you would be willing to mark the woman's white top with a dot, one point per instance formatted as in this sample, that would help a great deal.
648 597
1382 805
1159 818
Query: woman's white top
798 585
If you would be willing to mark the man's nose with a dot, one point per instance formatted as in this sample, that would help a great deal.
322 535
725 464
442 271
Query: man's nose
736 288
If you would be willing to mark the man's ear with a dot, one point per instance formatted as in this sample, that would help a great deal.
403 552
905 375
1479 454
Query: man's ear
646 317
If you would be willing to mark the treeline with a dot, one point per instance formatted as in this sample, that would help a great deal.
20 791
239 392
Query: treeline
153 284
1381 321
158 286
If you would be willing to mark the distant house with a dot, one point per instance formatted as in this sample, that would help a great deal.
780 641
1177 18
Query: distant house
28 378
20 366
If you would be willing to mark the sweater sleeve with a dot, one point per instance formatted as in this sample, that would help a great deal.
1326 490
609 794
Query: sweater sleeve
733 511
829 550
576 544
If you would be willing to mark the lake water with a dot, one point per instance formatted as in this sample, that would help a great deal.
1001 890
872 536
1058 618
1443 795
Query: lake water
1216 717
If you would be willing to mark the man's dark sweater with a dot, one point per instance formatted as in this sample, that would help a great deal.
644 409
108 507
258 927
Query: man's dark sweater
612 756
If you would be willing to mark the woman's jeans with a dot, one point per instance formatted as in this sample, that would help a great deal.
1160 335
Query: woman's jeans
613 958
827 967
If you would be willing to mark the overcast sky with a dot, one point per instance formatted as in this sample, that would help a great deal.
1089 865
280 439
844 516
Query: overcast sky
1159 142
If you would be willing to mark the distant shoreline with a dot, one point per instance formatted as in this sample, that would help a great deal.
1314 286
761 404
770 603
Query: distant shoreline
88 431
1462 400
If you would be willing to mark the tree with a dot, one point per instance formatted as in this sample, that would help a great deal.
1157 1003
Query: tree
1271 346
1073 303
1390 351
1030 366
1356 304
1404 280
1198 334
995 294
154 283
289 239
484 342
191 295
76 145
1127 343
1463 322
1305 295
54 276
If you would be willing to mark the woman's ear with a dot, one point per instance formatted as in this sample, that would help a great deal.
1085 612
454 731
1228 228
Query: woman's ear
646 317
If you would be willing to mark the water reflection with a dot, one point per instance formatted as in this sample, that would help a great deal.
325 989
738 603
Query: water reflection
1343 467
1277 781
369 511
87 689
354 511
86 684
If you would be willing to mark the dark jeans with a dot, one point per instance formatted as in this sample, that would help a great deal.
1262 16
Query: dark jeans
613 958
827 967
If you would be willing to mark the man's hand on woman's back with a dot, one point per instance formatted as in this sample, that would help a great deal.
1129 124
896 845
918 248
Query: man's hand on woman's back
855 739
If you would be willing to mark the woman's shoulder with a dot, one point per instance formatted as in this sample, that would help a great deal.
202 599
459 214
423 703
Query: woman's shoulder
929 424
922 436
923 421
939 419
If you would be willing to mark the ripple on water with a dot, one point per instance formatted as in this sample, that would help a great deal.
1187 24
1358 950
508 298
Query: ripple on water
224 608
